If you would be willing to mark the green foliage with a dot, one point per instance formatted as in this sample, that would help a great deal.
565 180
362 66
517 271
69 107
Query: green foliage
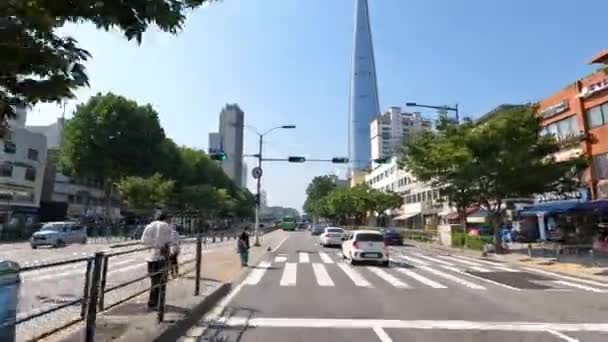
145 193
39 65
318 188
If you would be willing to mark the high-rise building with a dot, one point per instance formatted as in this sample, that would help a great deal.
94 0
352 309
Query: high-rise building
232 119
390 130
364 103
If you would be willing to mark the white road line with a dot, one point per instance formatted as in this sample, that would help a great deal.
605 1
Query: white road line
290 272
453 278
280 244
256 275
424 280
415 324
455 259
304 258
579 286
557 275
280 258
355 276
435 260
321 275
481 278
382 335
493 264
479 269
325 258
389 278
410 259
562 336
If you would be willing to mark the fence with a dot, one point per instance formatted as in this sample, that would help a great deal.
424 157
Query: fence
95 288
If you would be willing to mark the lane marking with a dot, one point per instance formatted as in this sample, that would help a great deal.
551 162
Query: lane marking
256 275
453 278
557 275
493 264
304 258
382 335
415 324
562 336
579 286
290 272
439 261
389 278
355 276
422 279
280 244
325 258
414 260
479 269
466 262
481 278
280 258
321 274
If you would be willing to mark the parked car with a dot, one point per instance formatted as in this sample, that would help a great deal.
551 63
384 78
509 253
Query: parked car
365 245
57 234
317 229
392 236
332 236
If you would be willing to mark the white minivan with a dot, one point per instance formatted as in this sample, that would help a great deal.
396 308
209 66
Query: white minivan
365 245
57 234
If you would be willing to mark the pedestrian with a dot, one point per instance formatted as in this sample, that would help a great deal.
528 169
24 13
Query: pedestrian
159 236
243 247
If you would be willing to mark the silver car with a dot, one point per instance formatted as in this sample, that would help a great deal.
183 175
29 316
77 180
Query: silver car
57 234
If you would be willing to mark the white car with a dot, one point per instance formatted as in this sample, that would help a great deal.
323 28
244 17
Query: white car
365 245
332 236
57 234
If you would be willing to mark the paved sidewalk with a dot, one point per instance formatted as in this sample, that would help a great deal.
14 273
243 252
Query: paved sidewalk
131 321
567 264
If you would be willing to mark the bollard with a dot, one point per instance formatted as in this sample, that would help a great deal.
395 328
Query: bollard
92 298
85 291
102 287
199 253
10 283
530 250
163 284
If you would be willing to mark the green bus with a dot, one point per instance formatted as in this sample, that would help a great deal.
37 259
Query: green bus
288 223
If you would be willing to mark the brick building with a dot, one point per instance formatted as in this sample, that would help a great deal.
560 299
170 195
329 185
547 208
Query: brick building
578 117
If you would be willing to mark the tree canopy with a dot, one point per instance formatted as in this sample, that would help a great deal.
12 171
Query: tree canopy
145 194
37 64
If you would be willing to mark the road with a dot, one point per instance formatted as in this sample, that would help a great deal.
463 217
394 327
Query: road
50 287
303 292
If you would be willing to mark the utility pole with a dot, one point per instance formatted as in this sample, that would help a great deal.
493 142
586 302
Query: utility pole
257 196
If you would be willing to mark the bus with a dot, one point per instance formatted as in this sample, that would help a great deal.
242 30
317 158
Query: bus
288 223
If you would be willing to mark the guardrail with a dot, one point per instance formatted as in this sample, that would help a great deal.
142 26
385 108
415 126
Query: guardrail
95 285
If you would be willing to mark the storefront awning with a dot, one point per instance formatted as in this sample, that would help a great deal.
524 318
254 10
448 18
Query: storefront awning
406 216
556 207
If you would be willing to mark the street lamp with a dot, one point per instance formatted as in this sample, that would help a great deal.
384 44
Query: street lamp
454 109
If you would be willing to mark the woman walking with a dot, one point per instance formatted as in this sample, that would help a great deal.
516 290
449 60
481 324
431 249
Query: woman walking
243 248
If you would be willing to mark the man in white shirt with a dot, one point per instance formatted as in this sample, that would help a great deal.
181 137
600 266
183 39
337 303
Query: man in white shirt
159 236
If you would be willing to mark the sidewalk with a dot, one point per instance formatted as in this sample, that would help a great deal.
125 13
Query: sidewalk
131 321
568 264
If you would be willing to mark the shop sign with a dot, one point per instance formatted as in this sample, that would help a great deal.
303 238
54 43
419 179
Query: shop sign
594 88
554 109
580 195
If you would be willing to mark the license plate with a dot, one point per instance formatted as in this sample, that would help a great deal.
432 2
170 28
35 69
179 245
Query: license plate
371 255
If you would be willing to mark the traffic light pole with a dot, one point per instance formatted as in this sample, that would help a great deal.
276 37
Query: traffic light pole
257 202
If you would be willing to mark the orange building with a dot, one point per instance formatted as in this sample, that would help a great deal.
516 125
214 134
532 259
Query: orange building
578 116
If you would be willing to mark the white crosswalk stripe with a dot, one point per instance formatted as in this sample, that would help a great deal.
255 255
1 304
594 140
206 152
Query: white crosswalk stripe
389 278
325 258
479 269
422 279
256 275
321 275
304 258
411 259
453 269
280 258
579 286
435 260
355 276
466 262
489 263
453 278
290 273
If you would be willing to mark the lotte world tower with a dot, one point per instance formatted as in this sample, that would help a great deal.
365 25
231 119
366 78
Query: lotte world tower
364 102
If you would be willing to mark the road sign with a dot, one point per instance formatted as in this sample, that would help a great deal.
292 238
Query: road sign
256 172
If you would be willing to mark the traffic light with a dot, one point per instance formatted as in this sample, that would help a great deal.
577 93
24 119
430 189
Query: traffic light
339 160
296 159
382 160
218 156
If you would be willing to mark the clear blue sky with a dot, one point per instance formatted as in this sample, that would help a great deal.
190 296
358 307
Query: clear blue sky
288 62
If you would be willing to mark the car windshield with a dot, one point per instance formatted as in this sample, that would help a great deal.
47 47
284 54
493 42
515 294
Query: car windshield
335 230
369 237
51 228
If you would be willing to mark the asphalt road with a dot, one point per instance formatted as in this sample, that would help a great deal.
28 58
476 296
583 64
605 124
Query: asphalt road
303 292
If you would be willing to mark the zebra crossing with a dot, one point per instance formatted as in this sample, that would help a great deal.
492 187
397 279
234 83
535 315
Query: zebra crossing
411 271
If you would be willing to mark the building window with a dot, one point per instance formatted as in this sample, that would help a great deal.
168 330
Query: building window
598 115
32 154
6 170
600 165
70 198
30 174
562 129
10 147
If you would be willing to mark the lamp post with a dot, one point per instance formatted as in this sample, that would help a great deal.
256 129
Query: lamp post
454 109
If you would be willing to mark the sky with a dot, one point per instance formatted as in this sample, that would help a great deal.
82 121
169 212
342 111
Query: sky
289 61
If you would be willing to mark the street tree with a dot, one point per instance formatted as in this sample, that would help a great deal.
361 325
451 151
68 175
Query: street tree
145 194
317 189
38 64
383 201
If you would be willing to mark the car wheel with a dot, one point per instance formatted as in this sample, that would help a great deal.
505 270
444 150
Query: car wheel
59 243
34 246
385 263
353 262
83 241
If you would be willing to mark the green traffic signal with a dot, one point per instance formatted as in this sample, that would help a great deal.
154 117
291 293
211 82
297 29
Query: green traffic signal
218 156
339 160
296 159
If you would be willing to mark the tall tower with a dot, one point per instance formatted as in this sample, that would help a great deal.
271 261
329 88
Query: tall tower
364 102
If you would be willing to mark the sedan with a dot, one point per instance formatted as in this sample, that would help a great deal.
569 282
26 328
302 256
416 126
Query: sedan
332 236
392 236
317 230
365 245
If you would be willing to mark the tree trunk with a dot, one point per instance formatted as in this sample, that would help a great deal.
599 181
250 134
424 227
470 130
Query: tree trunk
495 220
